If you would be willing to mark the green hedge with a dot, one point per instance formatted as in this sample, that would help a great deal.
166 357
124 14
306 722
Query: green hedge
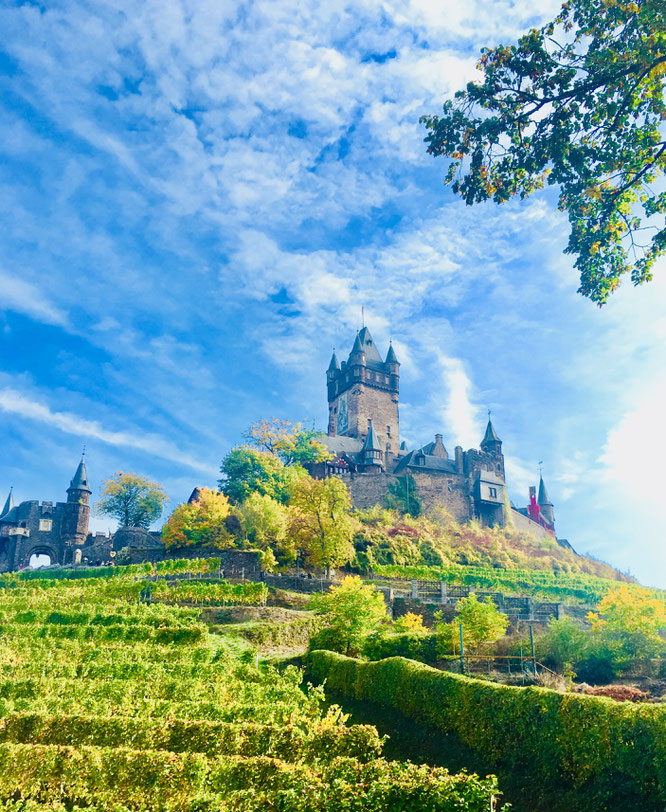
179 782
612 754
181 735
274 635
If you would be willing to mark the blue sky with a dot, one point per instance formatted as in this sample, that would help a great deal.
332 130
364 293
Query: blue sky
198 197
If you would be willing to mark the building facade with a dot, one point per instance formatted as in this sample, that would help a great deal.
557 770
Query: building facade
59 531
364 438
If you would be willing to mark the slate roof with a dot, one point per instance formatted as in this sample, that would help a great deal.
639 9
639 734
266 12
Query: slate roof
543 498
490 435
391 357
371 442
9 504
333 366
80 481
439 464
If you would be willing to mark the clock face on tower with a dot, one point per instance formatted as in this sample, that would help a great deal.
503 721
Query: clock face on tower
343 414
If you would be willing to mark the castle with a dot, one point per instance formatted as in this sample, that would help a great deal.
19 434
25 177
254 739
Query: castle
364 439
58 531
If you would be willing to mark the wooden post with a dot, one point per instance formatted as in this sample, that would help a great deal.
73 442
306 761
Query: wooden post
532 647
462 652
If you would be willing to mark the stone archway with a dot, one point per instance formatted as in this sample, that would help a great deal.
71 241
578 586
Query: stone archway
40 556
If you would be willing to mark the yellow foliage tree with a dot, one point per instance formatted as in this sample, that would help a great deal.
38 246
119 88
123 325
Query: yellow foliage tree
633 617
199 522
320 521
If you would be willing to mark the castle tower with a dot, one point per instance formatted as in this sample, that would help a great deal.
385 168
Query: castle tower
363 389
491 443
545 505
76 516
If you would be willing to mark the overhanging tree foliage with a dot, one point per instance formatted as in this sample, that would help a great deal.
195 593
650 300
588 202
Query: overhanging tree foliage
579 103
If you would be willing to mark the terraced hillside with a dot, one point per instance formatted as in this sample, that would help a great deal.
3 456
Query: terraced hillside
114 694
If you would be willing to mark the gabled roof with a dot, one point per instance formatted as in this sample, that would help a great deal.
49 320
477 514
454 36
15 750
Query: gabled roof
371 442
429 463
9 504
80 480
543 498
490 435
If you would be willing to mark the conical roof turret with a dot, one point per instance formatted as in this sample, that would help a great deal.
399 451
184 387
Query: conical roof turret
358 346
80 480
371 442
391 357
9 503
490 438
543 498
333 366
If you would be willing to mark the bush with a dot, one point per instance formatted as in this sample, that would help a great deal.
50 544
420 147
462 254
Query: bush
612 754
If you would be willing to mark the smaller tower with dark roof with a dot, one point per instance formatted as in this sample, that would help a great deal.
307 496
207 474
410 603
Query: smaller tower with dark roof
372 450
545 505
76 516
491 443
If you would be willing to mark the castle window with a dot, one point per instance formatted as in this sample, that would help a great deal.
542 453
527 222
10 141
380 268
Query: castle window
388 431
493 492
45 524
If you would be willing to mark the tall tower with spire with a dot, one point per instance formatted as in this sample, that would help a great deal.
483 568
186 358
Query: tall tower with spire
76 517
364 390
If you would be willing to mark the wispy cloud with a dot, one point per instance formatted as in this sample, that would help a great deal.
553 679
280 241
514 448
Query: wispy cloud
23 297
15 403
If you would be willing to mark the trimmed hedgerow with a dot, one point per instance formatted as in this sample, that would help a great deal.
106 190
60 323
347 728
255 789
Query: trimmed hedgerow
610 752
320 742
179 782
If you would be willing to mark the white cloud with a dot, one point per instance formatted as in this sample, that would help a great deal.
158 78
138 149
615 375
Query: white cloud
14 402
23 297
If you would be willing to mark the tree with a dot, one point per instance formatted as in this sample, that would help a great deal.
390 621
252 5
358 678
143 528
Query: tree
289 442
265 524
403 496
352 610
482 621
579 103
131 499
320 521
632 619
201 522
248 470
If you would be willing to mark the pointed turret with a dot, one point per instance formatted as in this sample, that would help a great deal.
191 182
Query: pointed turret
491 443
544 503
391 357
9 504
333 366
79 490
372 449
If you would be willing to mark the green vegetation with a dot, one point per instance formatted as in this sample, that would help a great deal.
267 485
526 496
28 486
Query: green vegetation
585 753
546 586
351 611
199 523
114 694
578 103
131 499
